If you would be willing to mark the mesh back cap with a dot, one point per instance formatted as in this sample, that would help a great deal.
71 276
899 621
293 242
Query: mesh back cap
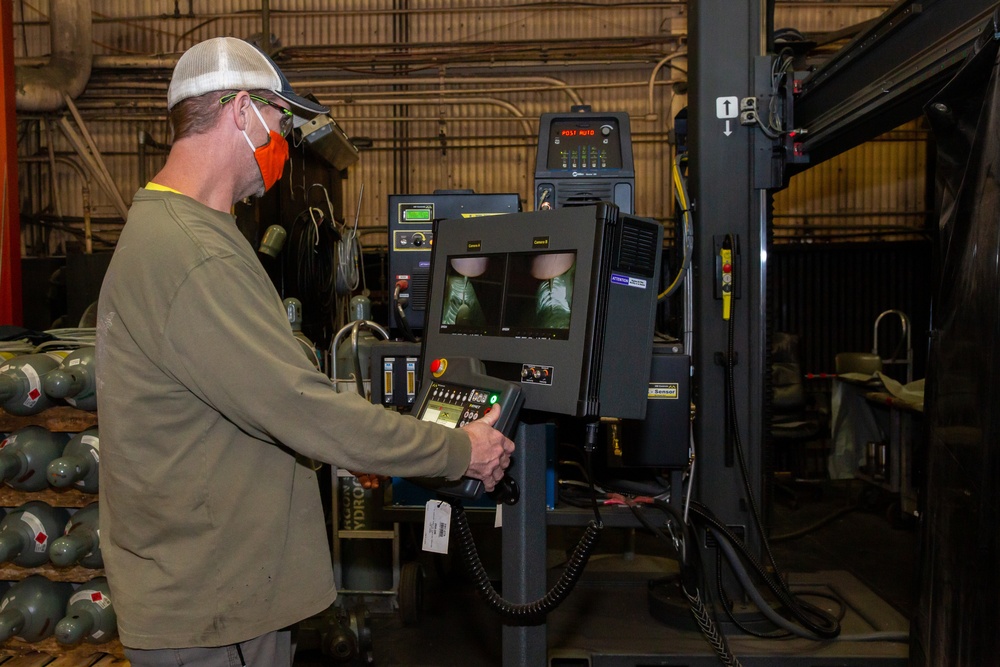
228 63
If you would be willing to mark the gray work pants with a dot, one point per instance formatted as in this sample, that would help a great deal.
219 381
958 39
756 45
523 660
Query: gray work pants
271 650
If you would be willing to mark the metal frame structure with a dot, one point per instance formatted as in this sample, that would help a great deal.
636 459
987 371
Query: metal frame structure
886 74
725 40
879 81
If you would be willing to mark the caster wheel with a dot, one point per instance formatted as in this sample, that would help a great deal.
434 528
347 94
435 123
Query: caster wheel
411 593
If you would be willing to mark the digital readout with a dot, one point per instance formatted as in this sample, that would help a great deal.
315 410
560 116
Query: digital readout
577 133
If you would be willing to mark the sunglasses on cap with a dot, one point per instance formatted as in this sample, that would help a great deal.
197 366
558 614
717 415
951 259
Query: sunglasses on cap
284 125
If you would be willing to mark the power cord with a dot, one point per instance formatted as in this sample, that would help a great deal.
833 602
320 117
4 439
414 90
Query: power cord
530 612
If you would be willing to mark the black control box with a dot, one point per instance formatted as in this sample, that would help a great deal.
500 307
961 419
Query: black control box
662 439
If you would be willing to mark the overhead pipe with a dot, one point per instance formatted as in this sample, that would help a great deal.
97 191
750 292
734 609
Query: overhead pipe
91 162
98 158
304 81
68 69
489 101
651 108
51 160
550 82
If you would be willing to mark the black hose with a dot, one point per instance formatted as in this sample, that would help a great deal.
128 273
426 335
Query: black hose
528 612
404 324
811 617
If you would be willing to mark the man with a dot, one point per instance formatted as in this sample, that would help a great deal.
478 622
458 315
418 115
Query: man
212 527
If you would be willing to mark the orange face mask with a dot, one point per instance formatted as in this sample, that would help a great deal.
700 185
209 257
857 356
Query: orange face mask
271 156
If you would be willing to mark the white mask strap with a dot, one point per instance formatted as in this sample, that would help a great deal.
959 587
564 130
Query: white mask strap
245 136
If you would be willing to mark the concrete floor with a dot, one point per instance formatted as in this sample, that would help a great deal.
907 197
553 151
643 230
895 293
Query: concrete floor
861 555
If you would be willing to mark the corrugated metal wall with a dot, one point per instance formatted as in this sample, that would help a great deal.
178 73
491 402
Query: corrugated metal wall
449 132
875 192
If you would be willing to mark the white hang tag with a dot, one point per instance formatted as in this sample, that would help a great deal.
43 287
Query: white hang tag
437 524
498 519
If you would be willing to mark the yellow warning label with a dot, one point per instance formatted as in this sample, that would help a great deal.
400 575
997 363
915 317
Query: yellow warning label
480 215
663 391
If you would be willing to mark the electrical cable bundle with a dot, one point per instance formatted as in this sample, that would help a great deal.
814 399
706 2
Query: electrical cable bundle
687 233
312 241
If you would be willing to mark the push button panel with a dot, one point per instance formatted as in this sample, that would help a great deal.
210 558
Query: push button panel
455 406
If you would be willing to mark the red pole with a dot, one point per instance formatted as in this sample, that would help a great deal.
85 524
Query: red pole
10 220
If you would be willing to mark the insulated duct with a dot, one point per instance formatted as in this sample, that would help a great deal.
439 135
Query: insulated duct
68 70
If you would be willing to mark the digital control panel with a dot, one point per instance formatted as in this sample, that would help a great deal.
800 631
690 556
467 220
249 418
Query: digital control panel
414 233
456 391
584 157
455 406
585 144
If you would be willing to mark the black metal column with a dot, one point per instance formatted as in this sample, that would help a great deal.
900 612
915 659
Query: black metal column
524 545
724 39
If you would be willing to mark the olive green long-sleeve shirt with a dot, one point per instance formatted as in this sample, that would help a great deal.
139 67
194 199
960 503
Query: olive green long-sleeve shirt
211 527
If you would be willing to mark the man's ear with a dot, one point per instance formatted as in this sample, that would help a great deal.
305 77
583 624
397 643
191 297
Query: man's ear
240 108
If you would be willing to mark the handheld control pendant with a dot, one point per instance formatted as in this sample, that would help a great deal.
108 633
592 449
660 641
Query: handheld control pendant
456 393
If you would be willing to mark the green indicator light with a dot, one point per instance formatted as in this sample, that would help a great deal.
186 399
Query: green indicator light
494 398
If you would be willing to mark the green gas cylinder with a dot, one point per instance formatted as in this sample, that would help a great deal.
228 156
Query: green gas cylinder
90 616
27 532
75 380
79 465
81 540
355 351
293 309
25 455
31 607
21 391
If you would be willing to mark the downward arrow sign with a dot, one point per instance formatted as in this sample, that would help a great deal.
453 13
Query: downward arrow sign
728 131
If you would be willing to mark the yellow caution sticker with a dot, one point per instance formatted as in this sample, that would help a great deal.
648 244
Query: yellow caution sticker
663 391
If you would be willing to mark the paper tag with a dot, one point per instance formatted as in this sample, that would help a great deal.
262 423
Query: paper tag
498 519
437 523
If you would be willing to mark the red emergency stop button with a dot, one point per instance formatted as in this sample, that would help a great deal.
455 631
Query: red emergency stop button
727 268
438 367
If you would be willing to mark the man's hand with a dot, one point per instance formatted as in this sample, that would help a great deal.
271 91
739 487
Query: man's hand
369 480
490 450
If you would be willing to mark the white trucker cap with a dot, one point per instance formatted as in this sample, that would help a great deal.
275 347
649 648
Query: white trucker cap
228 63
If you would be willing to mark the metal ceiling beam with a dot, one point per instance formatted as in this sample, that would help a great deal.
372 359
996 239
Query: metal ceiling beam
885 75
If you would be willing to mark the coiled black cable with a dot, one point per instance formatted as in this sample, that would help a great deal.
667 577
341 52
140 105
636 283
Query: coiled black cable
528 612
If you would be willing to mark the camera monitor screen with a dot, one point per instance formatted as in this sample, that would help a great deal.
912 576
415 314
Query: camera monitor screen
560 302
519 295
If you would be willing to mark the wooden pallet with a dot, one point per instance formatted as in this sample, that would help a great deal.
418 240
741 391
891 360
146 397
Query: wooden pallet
61 418
68 497
49 653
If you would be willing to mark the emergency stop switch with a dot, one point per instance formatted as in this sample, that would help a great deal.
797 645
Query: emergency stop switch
727 279
727 267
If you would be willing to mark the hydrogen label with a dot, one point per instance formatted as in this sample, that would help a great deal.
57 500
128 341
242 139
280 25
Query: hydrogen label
619 279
